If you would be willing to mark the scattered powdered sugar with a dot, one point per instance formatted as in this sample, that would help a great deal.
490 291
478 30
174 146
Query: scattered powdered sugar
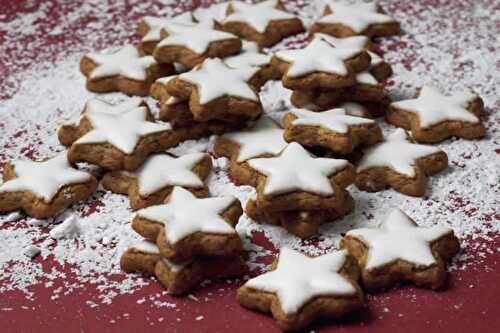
91 236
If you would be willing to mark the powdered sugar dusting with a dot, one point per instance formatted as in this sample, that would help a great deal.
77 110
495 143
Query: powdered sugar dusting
38 96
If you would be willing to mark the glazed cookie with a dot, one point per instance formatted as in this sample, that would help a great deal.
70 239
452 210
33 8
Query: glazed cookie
299 289
400 250
265 23
192 46
250 56
216 91
178 278
302 223
379 69
320 65
332 129
140 258
185 226
154 180
44 189
343 19
263 139
150 29
125 70
72 130
295 180
433 117
175 109
121 140
399 163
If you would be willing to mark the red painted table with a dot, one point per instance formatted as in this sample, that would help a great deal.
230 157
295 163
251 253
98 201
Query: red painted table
39 32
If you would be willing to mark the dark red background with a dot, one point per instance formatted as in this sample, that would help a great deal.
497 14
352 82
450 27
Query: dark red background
469 303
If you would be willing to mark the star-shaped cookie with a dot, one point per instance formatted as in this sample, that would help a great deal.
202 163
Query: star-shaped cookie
154 180
126 70
433 117
186 226
192 46
296 180
400 250
378 70
345 19
299 288
150 28
217 91
69 132
332 129
265 22
121 140
263 139
320 65
399 163
45 188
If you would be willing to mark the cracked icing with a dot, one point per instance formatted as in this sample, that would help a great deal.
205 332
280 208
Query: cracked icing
453 57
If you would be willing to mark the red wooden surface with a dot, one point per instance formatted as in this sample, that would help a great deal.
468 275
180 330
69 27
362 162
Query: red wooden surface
469 303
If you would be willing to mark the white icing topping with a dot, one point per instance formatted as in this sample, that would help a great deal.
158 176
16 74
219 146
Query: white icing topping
366 78
169 24
197 38
317 56
336 119
215 12
357 43
215 79
354 42
122 130
95 105
146 247
357 16
44 179
354 109
397 153
258 15
296 170
399 238
162 170
248 57
432 107
126 62
265 137
299 279
184 215
376 59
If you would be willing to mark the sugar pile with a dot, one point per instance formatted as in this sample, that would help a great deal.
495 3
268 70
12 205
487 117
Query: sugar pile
91 236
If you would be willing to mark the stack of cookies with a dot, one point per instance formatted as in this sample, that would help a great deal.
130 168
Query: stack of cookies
187 240
212 98
339 65
294 189
331 71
